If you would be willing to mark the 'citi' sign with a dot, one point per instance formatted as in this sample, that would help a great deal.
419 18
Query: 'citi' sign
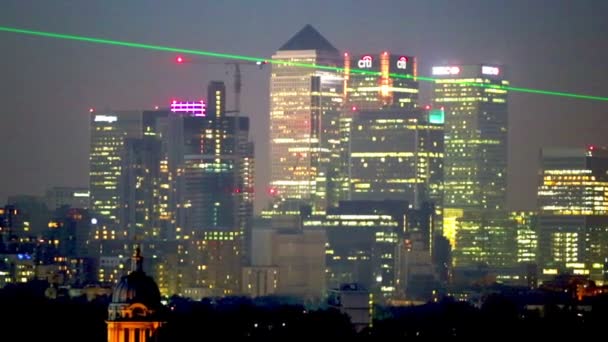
365 62
402 63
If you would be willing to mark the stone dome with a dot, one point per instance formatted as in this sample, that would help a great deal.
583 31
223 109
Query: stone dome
137 287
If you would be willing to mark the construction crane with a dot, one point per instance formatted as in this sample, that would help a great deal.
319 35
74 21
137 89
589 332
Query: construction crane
237 82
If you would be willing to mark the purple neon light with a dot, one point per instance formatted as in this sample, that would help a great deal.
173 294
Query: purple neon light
195 108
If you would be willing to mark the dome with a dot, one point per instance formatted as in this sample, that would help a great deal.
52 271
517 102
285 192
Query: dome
136 287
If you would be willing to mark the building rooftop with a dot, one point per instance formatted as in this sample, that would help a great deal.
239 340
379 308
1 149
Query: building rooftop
308 38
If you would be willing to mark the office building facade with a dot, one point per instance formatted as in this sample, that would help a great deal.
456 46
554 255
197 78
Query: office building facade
109 132
394 154
362 240
300 100
573 212
475 162
383 80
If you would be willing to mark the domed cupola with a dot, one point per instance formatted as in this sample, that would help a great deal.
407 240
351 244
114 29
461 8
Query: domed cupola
133 314
136 295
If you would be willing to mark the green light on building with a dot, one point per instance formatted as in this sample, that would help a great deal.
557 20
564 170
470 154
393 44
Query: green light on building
437 116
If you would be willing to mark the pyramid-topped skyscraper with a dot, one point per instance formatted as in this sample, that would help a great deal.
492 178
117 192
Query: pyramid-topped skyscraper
303 101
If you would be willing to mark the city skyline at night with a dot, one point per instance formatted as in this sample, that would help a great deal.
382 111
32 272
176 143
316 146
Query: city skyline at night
338 169
429 46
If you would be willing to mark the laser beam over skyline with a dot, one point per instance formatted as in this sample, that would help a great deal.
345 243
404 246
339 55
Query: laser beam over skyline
298 64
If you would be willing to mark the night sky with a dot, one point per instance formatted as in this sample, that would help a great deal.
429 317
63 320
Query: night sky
48 85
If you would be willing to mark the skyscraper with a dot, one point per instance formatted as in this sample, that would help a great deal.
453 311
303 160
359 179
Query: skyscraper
216 99
393 154
573 211
109 132
362 238
366 91
475 164
125 183
526 229
139 185
300 100
204 165
209 166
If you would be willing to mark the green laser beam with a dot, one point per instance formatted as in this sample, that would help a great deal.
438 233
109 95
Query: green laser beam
298 64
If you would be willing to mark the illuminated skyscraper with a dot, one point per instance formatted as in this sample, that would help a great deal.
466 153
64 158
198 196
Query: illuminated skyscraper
109 132
209 162
394 154
573 211
362 240
139 185
204 166
365 90
526 228
124 171
125 183
300 102
475 164
216 99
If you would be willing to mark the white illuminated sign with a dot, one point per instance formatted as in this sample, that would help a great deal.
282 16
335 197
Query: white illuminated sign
402 62
80 194
105 118
489 70
446 70
365 62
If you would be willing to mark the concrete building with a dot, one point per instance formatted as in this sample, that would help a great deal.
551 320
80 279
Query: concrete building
294 258
355 301
260 280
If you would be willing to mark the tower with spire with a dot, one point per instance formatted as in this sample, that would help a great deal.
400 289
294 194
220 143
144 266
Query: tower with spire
135 310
